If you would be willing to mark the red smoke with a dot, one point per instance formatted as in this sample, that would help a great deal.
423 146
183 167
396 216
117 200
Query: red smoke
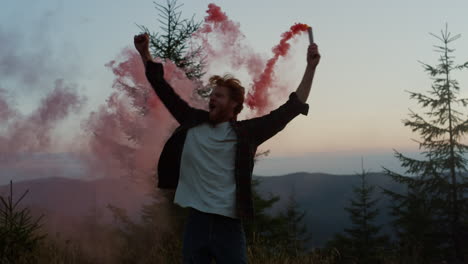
257 98
125 134
223 41
226 37
216 15
33 133
218 19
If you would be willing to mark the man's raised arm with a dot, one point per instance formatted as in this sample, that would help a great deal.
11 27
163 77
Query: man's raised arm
313 59
264 127
178 108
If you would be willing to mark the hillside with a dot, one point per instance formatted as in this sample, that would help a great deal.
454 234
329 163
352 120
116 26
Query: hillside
321 196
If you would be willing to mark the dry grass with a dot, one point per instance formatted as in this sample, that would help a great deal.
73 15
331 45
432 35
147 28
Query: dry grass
168 250
60 251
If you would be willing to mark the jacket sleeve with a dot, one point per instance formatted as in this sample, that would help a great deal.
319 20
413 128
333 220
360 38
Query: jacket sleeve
262 128
178 108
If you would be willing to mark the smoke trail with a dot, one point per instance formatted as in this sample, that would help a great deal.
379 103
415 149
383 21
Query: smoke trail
128 132
33 67
124 135
32 133
223 40
257 98
6 110
13 64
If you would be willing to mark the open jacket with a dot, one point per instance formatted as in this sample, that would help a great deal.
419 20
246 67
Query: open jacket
250 134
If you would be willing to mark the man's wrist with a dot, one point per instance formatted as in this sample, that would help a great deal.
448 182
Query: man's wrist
146 57
311 67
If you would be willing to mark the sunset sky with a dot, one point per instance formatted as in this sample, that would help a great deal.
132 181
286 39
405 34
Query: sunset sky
370 52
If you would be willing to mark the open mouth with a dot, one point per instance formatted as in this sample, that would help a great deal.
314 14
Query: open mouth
211 106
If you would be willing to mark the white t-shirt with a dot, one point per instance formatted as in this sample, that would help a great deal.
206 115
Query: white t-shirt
206 180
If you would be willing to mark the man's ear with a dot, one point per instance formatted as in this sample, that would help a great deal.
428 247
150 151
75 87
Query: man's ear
233 104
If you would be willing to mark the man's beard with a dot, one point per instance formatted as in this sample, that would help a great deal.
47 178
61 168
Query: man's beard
217 116
214 118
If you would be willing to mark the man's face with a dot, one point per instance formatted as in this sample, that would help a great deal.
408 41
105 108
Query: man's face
221 106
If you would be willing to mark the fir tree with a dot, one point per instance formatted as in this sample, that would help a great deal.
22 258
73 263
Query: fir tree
361 242
173 42
433 211
283 233
296 235
19 231
265 228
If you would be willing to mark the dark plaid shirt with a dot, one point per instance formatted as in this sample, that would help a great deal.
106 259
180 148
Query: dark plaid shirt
250 134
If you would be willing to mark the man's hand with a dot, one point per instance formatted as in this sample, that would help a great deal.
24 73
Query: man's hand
313 56
142 45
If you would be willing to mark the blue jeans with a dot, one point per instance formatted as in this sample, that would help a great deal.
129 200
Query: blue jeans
211 236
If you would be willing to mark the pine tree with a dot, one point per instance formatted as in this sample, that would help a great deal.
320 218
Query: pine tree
433 211
281 234
296 235
264 228
173 42
361 242
413 222
19 231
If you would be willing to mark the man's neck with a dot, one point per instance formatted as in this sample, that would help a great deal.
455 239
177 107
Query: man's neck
217 122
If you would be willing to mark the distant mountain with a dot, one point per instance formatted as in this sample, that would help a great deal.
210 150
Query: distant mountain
30 166
66 202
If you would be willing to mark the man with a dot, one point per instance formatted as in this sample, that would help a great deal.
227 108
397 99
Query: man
209 158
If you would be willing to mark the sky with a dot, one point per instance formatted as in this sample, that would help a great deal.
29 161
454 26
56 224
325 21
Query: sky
370 52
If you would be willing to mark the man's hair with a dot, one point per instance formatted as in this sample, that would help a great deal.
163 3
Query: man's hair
236 91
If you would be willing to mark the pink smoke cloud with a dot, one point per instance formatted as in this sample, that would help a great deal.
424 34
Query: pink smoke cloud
124 136
32 133
223 39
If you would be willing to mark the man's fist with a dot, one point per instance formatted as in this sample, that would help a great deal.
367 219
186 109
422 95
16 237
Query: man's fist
313 56
142 43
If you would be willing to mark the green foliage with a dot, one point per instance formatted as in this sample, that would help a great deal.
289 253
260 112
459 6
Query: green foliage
19 230
154 239
296 236
173 41
283 233
413 221
361 242
430 218
263 227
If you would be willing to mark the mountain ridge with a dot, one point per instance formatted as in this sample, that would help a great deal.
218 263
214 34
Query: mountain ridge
322 196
